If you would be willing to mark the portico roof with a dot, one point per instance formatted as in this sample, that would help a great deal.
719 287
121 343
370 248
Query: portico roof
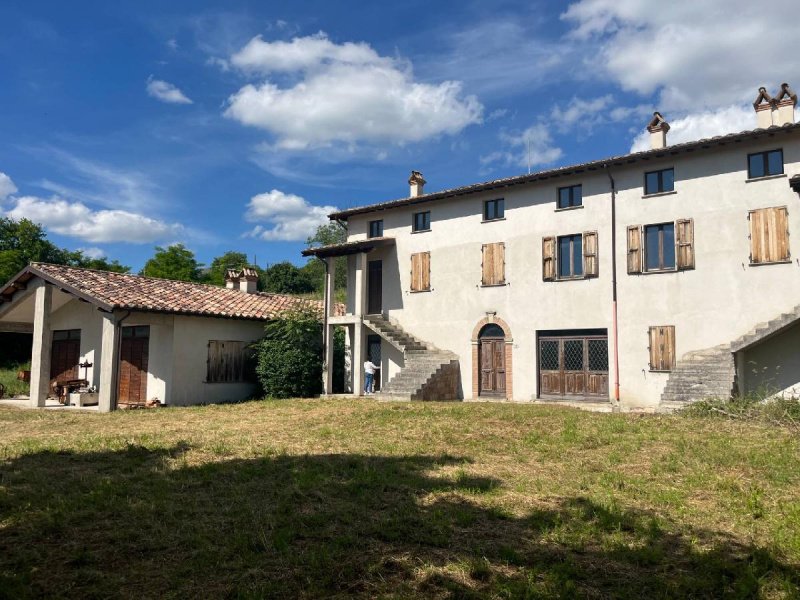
349 247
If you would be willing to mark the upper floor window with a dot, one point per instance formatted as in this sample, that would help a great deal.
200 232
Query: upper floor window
422 221
656 182
376 228
661 247
494 210
571 196
763 164
659 244
569 256
769 235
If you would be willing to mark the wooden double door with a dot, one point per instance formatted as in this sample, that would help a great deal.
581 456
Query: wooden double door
134 358
573 364
492 359
65 355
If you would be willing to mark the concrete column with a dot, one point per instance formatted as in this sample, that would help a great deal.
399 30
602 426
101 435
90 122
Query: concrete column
358 359
348 359
330 285
109 364
361 285
42 344
327 371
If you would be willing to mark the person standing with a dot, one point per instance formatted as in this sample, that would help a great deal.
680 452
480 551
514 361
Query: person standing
369 375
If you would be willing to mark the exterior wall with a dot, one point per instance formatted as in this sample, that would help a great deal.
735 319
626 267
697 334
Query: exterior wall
773 367
721 299
84 316
190 338
160 353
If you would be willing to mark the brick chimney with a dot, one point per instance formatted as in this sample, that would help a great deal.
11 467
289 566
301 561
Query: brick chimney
232 279
658 129
764 106
785 102
248 280
417 183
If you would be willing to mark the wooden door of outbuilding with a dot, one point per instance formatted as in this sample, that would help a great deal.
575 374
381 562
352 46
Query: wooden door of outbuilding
133 362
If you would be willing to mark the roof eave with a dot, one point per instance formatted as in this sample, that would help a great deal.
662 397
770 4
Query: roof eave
31 269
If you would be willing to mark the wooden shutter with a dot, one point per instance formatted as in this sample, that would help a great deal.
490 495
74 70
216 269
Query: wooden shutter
684 244
494 264
421 272
662 347
549 258
769 235
226 361
634 249
590 266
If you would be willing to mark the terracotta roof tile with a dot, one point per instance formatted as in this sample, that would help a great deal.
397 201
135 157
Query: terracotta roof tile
134 292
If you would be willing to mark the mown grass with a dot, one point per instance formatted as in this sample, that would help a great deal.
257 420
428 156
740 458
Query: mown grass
349 498
9 381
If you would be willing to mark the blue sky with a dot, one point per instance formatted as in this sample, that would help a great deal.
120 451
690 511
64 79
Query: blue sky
239 125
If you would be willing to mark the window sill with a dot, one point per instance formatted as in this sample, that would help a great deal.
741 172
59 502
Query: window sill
661 370
765 177
788 261
492 220
569 208
493 285
659 271
657 194
421 231
420 291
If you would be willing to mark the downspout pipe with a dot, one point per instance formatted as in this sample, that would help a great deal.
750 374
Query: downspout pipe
614 321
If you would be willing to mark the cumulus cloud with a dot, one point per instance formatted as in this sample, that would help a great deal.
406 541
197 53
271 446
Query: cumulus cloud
75 219
342 93
93 252
692 54
533 147
288 217
166 92
7 186
696 126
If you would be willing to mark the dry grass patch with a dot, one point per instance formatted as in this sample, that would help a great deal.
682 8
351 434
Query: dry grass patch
356 498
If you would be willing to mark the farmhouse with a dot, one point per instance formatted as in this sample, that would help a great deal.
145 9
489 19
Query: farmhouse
127 340
639 281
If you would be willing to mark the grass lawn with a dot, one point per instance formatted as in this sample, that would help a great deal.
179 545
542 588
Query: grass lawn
357 498
12 385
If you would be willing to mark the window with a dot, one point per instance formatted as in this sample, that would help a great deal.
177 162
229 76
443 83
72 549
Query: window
494 264
421 272
573 362
764 164
376 228
67 334
661 247
494 210
769 235
138 331
662 347
422 221
569 256
229 362
656 182
571 196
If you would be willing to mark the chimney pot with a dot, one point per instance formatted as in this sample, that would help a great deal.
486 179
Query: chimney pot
658 129
785 102
417 183
248 280
765 108
232 279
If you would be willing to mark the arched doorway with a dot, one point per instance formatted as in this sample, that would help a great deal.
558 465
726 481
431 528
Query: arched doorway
492 361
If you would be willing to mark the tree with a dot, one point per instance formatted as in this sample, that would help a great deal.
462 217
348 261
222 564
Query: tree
102 264
230 260
285 278
326 235
289 357
175 262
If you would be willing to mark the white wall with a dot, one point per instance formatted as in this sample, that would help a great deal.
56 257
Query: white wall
715 303
773 367
75 314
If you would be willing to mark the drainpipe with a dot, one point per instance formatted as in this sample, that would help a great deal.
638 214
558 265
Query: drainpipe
118 325
614 326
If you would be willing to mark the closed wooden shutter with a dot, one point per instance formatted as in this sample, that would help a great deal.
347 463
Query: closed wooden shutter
662 347
421 272
769 235
549 258
494 264
634 249
684 244
227 362
590 266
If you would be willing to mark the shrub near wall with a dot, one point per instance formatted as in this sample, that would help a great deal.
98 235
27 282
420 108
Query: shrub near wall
290 356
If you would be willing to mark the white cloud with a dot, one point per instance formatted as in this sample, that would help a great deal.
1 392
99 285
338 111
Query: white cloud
75 219
93 252
7 186
696 126
288 216
343 93
172 44
166 92
533 147
694 55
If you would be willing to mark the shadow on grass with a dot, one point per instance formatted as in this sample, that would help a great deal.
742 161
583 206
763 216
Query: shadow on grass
144 523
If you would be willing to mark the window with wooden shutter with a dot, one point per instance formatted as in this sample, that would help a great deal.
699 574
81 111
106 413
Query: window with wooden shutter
684 244
634 249
549 258
769 235
590 266
421 272
229 362
662 347
494 264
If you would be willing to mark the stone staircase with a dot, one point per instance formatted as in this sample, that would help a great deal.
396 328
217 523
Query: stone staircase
428 373
711 373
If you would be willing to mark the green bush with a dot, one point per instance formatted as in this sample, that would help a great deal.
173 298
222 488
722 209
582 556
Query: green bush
760 406
289 357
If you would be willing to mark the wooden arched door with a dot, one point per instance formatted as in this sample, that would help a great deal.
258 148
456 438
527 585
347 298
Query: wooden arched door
492 361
